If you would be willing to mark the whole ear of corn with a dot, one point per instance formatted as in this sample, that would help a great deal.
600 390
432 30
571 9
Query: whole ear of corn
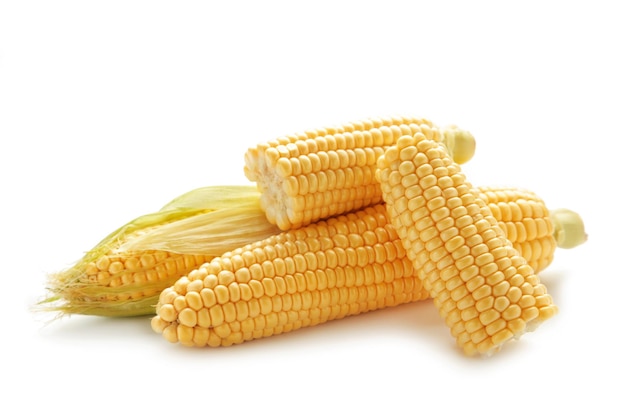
125 273
486 291
343 266
328 270
321 173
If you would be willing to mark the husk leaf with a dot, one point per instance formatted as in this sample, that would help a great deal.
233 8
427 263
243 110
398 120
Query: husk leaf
207 221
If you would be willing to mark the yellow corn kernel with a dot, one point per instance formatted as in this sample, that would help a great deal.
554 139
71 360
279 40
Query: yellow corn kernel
326 172
441 183
343 279
125 273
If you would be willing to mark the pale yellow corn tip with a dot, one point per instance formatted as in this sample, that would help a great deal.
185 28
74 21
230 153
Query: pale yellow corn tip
569 228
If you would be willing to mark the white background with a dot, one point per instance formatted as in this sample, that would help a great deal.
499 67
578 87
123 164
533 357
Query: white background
110 109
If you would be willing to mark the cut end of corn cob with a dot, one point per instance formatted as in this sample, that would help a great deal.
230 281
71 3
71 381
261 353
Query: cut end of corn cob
460 143
569 228
321 173
125 273
486 292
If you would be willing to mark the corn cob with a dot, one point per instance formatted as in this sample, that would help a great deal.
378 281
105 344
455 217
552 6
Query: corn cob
343 266
328 270
321 173
487 292
125 273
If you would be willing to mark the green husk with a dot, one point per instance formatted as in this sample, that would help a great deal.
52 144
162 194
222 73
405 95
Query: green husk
205 222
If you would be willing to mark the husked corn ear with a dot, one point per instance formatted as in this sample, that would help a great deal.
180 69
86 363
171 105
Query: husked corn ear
321 173
343 266
487 293
125 273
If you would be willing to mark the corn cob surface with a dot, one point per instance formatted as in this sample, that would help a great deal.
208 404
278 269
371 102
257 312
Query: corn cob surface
320 173
328 270
526 222
486 292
